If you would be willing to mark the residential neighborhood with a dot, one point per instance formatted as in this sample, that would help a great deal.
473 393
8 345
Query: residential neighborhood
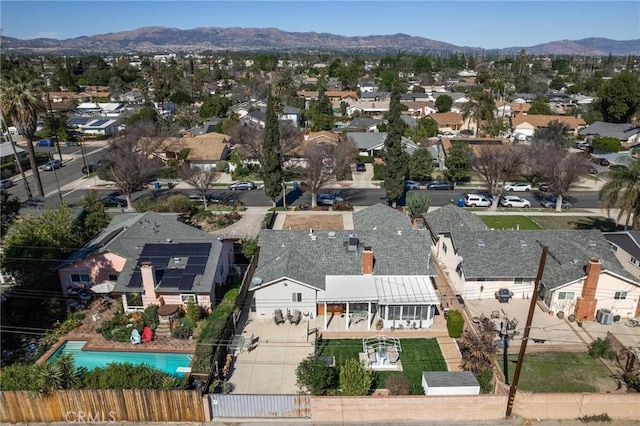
328 235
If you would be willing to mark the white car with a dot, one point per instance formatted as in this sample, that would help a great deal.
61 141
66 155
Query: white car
328 199
518 187
514 201
477 200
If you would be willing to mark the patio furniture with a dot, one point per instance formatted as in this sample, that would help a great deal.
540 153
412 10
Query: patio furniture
511 325
392 354
135 337
147 334
358 316
237 341
277 317
371 356
495 314
296 317
246 344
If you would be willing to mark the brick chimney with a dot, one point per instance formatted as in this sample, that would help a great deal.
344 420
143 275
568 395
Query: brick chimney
148 274
367 261
587 302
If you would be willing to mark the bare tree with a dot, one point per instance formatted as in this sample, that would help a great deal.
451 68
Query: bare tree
497 164
344 153
130 160
201 180
315 172
250 138
560 167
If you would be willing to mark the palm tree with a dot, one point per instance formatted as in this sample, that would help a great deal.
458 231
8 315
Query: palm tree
20 100
480 109
622 192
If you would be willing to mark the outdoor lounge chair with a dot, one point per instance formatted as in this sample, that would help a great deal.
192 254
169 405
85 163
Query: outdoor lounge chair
135 337
277 317
371 356
392 354
296 317
246 344
147 334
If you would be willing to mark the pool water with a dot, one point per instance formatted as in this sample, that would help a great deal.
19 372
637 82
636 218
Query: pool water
176 364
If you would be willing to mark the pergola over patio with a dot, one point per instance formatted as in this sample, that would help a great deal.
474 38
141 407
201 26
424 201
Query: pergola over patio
381 351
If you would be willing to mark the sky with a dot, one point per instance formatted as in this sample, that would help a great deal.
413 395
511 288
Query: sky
486 24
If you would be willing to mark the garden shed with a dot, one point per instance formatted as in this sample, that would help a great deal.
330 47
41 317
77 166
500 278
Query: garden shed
450 383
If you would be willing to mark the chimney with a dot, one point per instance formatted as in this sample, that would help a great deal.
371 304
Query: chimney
587 302
148 284
367 261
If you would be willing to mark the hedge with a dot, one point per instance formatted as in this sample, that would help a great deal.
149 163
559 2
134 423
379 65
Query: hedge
379 171
455 324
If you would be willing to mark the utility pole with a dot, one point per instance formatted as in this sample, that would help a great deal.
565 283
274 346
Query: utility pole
55 173
505 344
527 329
53 119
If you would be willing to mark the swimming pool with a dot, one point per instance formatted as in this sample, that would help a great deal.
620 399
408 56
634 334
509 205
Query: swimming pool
176 364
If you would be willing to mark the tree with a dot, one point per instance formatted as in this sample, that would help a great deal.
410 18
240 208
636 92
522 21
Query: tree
344 154
540 107
315 172
622 191
9 210
417 204
272 167
201 180
130 157
601 348
425 128
480 108
559 167
555 133
20 100
496 165
606 143
315 376
145 115
478 350
321 113
215 106
394 155
458 161
619 99
96 218
420 165
444 103
355 380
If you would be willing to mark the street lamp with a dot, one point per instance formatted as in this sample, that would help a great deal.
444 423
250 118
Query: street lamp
55 173
284 193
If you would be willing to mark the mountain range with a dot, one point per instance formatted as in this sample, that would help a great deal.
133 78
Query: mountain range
163 39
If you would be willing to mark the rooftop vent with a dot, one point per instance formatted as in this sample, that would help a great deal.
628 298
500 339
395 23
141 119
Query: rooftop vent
256 281
352 243
480 243
168 240
331 235
523 243
592 243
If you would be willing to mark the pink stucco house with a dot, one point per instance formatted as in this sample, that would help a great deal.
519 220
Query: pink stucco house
150 258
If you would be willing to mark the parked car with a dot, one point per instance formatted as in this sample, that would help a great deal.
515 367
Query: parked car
544 187
518 187
411 184
617 166
582 145
113 201
466 132
44 143
514 201
89 168
440 185
51 165
6 183
361 167
600 161
486 195
211 198
550 203
328 199
243 185
477 200
592 170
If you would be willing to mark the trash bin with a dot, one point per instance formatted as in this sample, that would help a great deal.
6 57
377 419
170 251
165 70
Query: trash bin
295 185
67 144
156 185
460 202
452 201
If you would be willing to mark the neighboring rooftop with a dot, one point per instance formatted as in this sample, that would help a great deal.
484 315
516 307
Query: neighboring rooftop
452 218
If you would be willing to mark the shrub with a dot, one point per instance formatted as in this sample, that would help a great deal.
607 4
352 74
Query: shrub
249 247
314 375
150 316
194 312
484 379
128 376
222 166
183 328
455 324
342 206
354 378
379 171
604 417
601 348
398 384
179 204
365 159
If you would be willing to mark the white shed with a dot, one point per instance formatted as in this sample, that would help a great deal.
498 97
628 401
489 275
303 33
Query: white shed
450 383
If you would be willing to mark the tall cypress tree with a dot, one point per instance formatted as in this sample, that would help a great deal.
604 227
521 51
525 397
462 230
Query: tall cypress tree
394 155
272 171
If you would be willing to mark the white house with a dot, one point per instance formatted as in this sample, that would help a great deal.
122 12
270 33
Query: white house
626 246
100 126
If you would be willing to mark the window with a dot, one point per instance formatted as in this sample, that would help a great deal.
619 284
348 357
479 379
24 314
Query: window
613 247
188 298
633 261
80 278
113 277
296 297
566 295
394 312
620 295
409 312
444 248
521 281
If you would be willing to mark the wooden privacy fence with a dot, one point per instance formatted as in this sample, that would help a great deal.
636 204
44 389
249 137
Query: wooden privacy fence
102 405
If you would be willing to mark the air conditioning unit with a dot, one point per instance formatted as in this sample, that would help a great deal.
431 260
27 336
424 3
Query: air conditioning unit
604 316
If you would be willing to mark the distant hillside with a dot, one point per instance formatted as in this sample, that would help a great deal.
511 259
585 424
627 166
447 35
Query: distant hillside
161 39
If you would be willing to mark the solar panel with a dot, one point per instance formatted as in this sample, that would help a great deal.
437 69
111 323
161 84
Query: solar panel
99 122
170 282
136 280
187 282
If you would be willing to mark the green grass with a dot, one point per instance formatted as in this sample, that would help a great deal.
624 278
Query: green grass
417 355
559 372
576 222
510 222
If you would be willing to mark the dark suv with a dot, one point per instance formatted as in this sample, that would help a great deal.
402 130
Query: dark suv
600 161
361 167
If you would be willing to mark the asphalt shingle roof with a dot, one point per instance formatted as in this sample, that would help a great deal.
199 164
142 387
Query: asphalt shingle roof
380 216
516 254
621 131
452 218
628 241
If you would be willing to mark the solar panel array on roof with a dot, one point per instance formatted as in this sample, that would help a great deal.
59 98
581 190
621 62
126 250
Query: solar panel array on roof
99 122
169 274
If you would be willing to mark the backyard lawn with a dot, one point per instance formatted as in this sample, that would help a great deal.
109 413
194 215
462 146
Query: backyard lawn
561 372
510 222
417 355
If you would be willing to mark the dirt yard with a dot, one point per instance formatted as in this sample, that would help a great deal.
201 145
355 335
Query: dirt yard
324 222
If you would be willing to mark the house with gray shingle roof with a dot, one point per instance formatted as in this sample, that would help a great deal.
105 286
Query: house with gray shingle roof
480 262
381 270
624 132
187 263
626 246
373 143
